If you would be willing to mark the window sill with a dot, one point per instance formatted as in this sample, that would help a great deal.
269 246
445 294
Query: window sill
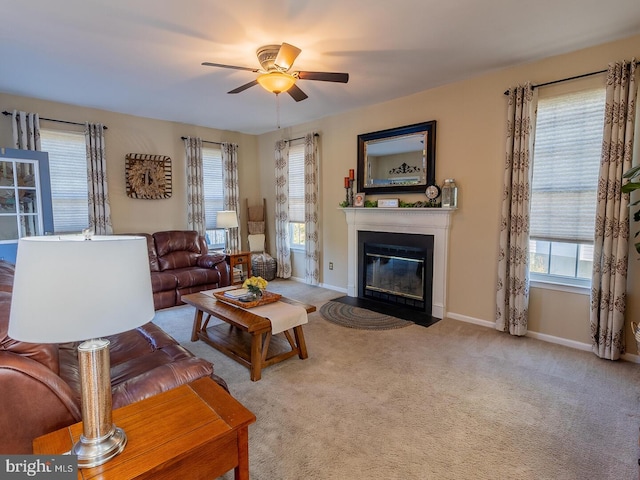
561 287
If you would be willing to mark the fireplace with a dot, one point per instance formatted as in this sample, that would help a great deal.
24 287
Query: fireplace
396 268
429 222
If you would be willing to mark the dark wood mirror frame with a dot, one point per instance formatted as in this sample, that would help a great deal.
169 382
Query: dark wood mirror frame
429 159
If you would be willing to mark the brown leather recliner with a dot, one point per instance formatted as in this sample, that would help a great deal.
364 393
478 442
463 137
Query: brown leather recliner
40 383
181 264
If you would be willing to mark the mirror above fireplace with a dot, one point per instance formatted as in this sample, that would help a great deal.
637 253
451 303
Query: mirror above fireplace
398 159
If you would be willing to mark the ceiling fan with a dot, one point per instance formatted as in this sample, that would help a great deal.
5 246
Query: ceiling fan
275 75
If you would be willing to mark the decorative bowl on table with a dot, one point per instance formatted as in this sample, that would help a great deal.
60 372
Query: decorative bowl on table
247 300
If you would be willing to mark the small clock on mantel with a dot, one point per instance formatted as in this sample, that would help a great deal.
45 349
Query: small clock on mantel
432 192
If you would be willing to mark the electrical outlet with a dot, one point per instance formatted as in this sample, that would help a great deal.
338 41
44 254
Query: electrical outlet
330 265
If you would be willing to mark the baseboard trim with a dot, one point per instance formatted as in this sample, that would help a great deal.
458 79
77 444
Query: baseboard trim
629 357
539 336
465 318
334 288
323 285
560 341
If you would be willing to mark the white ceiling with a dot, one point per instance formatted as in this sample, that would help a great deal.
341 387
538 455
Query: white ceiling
143 57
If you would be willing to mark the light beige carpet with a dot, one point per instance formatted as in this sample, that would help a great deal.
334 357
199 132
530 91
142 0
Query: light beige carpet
452 401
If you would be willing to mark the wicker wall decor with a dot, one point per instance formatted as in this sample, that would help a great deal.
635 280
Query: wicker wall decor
148 176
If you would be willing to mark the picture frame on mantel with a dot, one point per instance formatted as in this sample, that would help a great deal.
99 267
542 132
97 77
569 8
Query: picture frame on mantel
388 203
358 200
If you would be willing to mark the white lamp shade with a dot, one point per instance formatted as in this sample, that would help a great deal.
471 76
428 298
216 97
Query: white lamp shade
69 289
226 219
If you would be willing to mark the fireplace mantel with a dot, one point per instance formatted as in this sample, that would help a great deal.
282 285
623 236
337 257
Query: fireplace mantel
425 221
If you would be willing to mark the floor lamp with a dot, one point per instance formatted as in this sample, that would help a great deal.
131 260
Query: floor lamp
73 288
227 219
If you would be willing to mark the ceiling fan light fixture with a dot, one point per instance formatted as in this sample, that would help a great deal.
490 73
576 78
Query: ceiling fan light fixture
276 82
286 56
275 75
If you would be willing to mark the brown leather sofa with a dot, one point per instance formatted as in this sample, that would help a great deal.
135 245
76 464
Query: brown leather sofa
181 264
40 384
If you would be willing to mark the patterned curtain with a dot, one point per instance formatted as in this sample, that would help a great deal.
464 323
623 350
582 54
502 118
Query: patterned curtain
195 186
283 254
26 130
512 299
311 245
99 209
611 245
231 195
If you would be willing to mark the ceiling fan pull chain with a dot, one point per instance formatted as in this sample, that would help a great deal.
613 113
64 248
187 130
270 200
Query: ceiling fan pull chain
278 110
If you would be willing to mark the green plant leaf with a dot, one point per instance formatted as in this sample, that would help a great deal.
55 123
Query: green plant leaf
630 187
632 172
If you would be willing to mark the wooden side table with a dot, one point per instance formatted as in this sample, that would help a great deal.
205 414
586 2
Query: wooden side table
196 431
242 260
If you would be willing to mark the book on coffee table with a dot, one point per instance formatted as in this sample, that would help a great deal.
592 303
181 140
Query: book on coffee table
237 293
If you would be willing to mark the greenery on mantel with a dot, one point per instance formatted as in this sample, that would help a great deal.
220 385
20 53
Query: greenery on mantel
401 204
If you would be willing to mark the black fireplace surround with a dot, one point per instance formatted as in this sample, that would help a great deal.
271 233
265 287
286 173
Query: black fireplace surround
396 269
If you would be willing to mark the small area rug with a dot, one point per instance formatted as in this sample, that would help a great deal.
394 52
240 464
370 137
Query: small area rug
360 318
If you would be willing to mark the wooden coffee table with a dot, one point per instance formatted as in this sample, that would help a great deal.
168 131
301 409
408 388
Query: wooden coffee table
245 336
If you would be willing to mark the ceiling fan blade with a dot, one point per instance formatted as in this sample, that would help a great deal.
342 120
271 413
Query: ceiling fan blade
297 94
324 76
286 56
234 67
242 88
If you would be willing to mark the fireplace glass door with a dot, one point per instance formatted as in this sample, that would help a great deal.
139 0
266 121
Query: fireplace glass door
396 274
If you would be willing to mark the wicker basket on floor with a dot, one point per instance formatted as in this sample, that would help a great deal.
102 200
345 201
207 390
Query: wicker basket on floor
263 265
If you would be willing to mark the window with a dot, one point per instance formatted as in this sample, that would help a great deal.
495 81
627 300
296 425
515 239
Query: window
20 204
296 196
213 195
566 160
68 169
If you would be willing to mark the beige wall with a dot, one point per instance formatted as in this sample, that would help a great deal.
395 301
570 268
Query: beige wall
470 148
131 134
470 144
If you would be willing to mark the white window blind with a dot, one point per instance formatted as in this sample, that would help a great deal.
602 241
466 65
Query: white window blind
213 185
566 159
296 183
68 169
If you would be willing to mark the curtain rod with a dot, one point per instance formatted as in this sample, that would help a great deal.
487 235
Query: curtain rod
56 120
565 79
301 138
291 140
205 141
506 92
